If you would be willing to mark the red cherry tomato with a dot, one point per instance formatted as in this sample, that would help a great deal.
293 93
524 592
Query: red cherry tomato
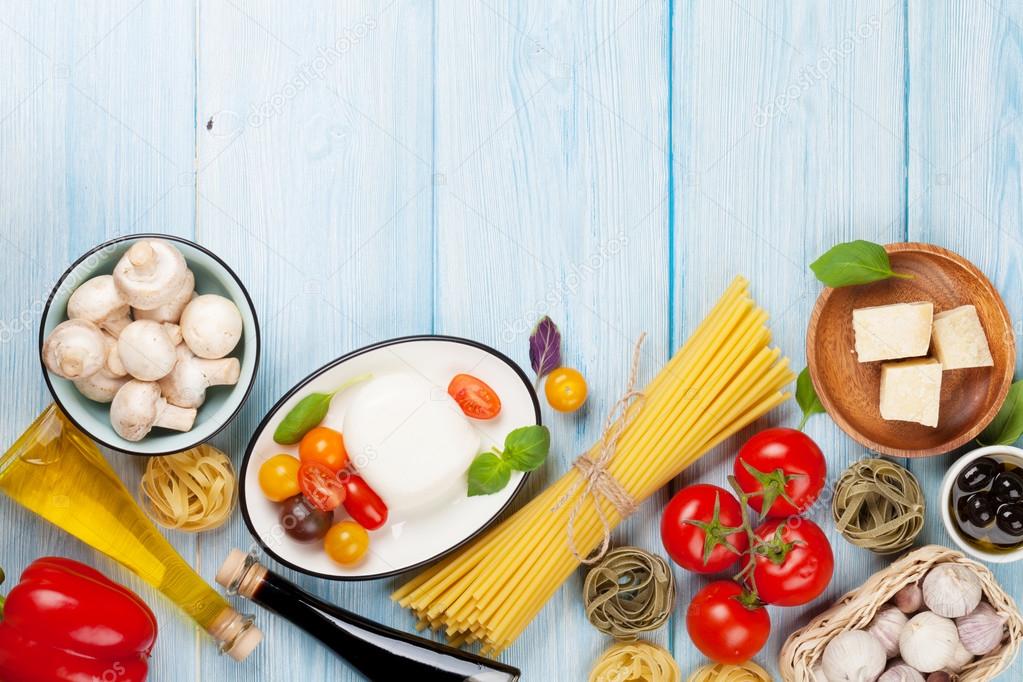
476 399
726 623
363 504
320 486
786 467
794 562
698 529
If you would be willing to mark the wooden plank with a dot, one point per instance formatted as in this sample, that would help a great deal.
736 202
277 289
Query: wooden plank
964 168
314 182
96 137
551 154
787 127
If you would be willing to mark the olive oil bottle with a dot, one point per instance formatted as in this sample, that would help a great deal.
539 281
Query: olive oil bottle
57 472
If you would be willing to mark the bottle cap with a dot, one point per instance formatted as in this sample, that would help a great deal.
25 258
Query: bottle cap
231 569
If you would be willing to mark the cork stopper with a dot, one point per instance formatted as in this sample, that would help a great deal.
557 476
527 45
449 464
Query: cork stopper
237 636
241 574
232 568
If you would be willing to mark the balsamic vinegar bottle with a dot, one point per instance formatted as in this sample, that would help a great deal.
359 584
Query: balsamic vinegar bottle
380 653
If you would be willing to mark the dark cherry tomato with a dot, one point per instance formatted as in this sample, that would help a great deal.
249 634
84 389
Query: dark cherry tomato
476 399
702 529
783 470
978 475
794 562
321 486
1008 487
726 623
302 521
1010 519
363 504
979 509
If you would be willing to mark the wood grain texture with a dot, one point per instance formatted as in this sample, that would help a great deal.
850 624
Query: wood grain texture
375 168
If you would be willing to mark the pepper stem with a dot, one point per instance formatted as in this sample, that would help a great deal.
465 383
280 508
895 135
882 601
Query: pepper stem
2 576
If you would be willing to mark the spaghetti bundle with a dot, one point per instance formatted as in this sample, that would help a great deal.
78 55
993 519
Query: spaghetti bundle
722 379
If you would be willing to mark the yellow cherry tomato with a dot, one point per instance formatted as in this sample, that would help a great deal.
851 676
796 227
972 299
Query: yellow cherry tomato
565 389
346 542
278 477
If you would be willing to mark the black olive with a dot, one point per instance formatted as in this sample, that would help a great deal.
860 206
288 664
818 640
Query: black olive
963 510
980 509
1008 487
302 521
1010 519
978 475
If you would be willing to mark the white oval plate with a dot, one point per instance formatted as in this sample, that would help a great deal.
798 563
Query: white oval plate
403 543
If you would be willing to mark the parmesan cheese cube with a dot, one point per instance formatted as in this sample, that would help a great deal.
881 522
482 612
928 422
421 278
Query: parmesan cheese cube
890 332
911 391
959 339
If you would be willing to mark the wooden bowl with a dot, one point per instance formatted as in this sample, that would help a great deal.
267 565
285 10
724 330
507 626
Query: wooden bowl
850 390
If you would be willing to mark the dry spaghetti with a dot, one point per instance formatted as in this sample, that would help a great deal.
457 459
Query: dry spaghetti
191 491
722 379
630 591
638 662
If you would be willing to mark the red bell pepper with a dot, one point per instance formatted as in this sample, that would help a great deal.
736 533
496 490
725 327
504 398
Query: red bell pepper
67 622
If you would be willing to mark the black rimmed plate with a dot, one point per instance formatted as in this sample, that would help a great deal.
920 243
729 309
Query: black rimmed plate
409 539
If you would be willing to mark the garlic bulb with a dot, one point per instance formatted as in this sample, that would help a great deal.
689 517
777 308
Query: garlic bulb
901 673
981 631
909 599
928 641
939 676
886 626
817 674
960 659
854 656
951 590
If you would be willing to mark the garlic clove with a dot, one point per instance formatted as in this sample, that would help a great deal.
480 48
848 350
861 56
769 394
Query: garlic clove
909 599
886 626
853 656
960 659
928 642
951 590
901 673
982 630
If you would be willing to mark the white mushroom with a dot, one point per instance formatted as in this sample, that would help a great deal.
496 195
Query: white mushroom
99 301
75 349
173 332
101 386
171 310
211 326
146 350
150 274
113 366
138 407
186 385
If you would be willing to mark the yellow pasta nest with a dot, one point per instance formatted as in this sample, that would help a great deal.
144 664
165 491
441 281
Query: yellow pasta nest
636 662
721 672
191 491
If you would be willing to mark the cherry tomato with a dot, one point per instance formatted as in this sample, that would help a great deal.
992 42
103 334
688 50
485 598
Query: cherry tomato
702 529
302 521
323 446
321 486
363 504
565 389
786 466
346 542
794 563
726 623
476 399
278 477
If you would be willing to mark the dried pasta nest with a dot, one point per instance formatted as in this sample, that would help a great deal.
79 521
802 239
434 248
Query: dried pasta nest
804 648
191 491
724 672
636 662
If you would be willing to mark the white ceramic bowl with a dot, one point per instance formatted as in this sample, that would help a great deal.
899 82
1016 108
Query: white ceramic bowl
946 493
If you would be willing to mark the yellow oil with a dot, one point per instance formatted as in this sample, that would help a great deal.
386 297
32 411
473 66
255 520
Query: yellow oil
55 471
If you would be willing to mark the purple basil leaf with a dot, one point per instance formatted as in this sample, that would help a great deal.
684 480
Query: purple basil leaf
545 347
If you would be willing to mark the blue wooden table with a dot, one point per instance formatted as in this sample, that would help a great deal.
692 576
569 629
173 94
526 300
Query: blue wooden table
374 169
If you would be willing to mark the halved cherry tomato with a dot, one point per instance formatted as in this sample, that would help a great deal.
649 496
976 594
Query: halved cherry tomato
346 542
476 399
321 486
278 477
565 389
324 446
363 504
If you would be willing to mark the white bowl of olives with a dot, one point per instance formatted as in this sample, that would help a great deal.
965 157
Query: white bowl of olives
982 508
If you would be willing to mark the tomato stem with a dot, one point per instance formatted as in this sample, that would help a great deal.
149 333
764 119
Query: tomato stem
746 574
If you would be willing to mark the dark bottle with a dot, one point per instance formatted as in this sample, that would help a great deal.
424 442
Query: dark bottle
380 653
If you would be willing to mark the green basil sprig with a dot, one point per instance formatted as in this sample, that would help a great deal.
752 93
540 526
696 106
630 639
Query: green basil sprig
856 262
308 413
525 449
807 398
1007 426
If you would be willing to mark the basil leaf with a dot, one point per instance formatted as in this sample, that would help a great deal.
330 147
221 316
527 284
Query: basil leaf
526 448
1007 426
488 474
856 262
308 413
807 398
545 348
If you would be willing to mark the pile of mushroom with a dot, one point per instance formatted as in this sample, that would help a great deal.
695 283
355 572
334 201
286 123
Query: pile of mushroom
144 341
929 632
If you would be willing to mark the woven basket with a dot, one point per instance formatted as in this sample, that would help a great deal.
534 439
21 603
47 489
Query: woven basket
804 648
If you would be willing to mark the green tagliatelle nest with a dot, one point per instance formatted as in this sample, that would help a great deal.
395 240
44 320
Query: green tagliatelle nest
878 505
630 591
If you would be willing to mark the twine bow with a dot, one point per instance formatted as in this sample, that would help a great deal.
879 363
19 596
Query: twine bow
596 481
